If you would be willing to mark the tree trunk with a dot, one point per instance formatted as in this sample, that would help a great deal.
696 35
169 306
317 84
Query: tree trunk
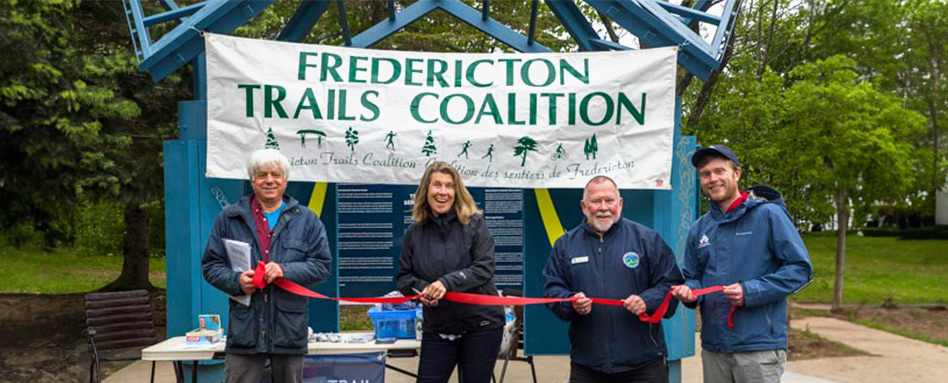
704 97
608 24
842 223
135 265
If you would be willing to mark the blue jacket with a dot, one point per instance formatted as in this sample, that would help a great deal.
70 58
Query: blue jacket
628 259
757 245
276 320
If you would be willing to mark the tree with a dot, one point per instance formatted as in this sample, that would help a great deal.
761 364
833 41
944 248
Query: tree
79 122
924 81
858 137
272 141
591 147
352 138
524 146
429 147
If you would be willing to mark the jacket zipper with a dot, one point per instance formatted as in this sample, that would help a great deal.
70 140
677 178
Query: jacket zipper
602 280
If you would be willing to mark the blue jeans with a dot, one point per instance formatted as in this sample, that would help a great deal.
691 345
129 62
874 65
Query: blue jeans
474 353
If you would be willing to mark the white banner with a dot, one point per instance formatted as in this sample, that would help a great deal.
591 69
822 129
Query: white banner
503 120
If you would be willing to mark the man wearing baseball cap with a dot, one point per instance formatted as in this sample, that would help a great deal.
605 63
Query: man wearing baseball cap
746 242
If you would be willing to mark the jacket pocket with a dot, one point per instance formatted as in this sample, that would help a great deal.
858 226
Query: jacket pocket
290 322
242 329
293 250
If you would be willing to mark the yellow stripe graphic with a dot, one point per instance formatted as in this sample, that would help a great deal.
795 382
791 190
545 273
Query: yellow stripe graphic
551 221
318 198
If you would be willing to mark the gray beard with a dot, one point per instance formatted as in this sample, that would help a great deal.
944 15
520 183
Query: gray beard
595 225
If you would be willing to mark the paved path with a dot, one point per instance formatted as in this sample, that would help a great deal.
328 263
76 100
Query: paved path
894 359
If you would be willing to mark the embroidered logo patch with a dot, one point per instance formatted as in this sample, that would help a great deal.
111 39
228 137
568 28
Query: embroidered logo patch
630 260
704 241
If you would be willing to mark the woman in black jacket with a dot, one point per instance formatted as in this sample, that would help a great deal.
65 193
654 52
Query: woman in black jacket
449 249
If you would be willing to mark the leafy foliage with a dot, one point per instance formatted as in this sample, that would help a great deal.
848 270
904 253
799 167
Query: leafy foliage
790 103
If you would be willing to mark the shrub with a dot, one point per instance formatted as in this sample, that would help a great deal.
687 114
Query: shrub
100 228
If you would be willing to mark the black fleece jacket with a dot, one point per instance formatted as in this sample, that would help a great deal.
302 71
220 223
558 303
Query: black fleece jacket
462 258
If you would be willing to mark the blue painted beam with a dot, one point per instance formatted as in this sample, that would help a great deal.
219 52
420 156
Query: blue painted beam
654 34
701 5
722 35
575 23
184 42
138 19
377 32
665 23
344 22
531 34
169 5
455 8
130 19
177 13
608 45
690 13
492 28
303 20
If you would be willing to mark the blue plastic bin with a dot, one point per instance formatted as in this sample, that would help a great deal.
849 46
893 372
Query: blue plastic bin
393 324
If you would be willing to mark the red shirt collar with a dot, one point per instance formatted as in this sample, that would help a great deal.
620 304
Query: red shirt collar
737 202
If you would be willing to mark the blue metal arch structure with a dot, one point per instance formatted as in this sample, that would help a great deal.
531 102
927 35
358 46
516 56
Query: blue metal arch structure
655 22
193 200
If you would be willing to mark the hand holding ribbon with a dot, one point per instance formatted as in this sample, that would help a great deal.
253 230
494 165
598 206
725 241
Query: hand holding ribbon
477 299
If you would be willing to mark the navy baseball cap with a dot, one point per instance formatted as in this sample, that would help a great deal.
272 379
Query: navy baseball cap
716 150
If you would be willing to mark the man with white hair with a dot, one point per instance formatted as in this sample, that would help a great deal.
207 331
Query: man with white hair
291 241
614 258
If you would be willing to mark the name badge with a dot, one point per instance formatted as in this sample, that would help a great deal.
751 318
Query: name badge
580 260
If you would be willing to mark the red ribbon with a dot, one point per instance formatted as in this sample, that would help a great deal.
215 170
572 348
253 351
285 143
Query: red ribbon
478 299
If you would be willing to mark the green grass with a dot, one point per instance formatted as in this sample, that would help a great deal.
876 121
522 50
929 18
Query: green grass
809 345
903 332
879 268
34 271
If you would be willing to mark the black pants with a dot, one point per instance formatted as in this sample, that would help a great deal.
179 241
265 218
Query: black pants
654 372
474 354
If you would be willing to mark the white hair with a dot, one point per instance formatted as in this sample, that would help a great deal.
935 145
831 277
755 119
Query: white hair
598 180
265 158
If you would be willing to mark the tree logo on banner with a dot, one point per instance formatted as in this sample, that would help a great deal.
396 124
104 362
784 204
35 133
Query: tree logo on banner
319 137
591 147
429 148
352 138
526 145
271 141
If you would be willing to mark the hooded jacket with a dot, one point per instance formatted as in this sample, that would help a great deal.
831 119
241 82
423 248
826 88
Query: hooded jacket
276 320
627 259
756 245
461 257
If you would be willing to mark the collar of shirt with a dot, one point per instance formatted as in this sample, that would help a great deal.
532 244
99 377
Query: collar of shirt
737 202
